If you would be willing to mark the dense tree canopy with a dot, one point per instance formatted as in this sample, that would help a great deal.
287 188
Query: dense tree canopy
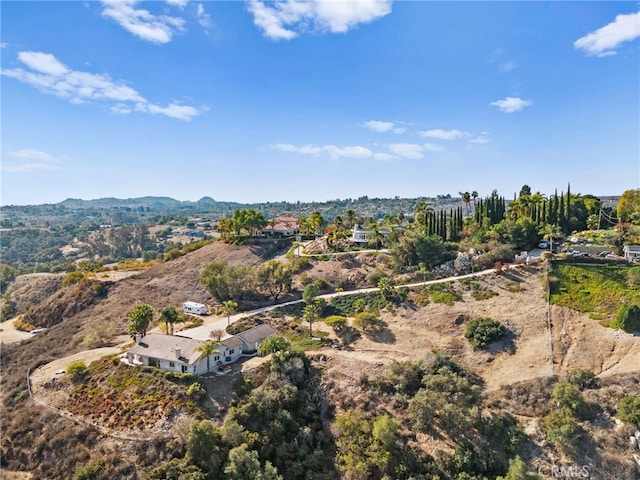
629 206
274 278
413 248
227 282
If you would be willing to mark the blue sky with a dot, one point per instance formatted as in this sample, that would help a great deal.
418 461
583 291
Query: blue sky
267 101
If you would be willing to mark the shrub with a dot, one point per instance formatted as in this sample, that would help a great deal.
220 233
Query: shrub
98 336
89 471
77 370
374 276
72 278
629 409
196 391
562 430
628 318
337 322
569 397
364 320
441 293
582 378
23 326
518 469
482 331
171 255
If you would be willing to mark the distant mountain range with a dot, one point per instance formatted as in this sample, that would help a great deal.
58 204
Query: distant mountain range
154 203
152 209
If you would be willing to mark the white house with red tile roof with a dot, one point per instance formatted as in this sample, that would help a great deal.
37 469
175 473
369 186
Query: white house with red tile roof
284 226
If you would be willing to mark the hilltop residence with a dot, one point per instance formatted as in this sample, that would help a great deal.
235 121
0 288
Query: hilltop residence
282 226
180 354
169 352
362 236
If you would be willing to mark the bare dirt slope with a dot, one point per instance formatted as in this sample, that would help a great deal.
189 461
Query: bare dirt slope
164 284
529 351
33 288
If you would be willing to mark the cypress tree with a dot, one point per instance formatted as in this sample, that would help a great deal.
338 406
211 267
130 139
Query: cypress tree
561 217
568 206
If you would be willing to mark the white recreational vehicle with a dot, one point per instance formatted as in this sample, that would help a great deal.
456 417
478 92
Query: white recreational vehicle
194 308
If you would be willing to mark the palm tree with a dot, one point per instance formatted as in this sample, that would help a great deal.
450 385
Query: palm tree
169 315
350 217
376 236
311 313
466 198
272 344
139 319
550 232
474 194
385 284
207 349
229 308
420 213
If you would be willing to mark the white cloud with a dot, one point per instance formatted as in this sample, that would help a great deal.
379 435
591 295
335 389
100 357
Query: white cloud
43 63
605 40
286 19
30 161
53 77
378 126
383 157
332 151
441 134
4 44
480 140
141 23
432 147
304 149
203 17
178 3
348 152
406 150
511 104
173 110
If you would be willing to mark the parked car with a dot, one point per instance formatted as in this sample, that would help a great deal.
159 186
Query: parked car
543 244
224 369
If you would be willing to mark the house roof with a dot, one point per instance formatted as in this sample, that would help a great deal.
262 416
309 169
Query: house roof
256 334
287 220
283 224
231 342
163 347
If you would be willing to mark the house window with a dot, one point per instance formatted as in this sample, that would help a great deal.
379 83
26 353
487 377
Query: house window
232 350
172 364
216 358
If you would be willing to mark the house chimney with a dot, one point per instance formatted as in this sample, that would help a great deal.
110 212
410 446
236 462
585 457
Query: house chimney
138 338
178 353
